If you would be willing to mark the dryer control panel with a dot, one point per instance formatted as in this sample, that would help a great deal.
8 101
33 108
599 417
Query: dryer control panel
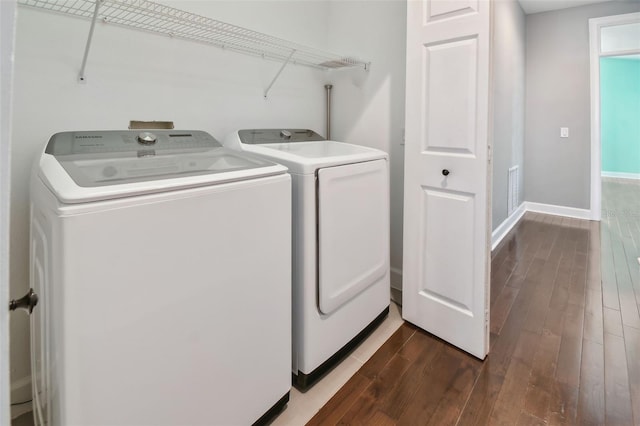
260 136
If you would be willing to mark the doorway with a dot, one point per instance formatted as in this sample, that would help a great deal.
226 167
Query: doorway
620 150
609 37
615 157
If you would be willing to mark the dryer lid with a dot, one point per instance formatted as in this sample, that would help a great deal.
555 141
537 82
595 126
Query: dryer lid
302 151
124 163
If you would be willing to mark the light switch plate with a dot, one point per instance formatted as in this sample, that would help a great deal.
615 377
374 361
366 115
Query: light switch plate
564 132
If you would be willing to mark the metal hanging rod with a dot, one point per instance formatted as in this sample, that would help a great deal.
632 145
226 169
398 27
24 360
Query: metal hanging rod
157 18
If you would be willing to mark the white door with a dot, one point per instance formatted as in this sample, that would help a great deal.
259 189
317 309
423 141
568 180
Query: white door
446 216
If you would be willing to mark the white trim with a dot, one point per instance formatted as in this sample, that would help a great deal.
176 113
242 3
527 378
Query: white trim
594 65
558 210
501 231
18 410
595 24
396 278
619 53
505 227
21 386
621 175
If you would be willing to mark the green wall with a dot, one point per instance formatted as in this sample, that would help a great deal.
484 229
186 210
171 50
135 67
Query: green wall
620 114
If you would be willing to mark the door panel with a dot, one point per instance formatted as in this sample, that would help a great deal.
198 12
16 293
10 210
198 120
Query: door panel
435 10
447 243
353 236
446 216
449 96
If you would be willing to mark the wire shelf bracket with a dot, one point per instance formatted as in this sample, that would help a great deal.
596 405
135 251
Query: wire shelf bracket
284 64
165 20
81 76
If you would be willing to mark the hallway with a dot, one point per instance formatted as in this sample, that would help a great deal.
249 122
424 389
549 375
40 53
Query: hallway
565 336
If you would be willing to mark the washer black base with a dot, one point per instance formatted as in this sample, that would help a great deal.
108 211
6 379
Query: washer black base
303 382
277 408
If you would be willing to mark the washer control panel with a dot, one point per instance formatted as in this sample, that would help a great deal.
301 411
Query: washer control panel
117 157
128 141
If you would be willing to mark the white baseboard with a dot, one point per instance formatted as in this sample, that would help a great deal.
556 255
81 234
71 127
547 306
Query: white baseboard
21 391
558 210
18 410
621 175
396 278
501 231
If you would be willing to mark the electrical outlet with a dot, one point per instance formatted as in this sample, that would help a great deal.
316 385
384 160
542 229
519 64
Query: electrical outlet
564 132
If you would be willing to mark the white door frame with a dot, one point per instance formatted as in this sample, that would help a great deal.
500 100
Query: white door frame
595 25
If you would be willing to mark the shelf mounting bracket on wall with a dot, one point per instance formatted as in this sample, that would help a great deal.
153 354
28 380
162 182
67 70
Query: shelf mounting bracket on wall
284 64
81 76
161 19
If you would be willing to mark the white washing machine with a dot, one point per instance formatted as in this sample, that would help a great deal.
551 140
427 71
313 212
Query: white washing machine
340 241
163 265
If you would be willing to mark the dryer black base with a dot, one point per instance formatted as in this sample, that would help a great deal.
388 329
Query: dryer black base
303 382
277 408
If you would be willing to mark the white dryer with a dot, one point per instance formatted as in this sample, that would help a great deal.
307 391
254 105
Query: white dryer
162 261
340 241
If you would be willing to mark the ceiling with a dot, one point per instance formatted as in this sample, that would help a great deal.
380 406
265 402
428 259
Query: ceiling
535 6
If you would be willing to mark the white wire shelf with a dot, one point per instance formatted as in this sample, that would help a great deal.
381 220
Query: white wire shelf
169 21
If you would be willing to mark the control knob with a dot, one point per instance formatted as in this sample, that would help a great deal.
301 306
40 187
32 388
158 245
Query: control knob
285 134
147 138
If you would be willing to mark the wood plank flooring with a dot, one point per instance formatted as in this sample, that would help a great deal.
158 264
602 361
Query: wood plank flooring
565 337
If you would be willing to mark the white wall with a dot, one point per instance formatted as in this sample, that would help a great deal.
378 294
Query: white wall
368 107
508 61
135 75
7 37
557 171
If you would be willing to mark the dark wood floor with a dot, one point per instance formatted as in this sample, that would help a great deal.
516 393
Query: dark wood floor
565 337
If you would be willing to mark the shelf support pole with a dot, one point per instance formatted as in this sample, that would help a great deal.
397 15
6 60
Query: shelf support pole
81 76
279 72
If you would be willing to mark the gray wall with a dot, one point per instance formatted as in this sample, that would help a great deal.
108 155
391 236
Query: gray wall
557 171
368 107
508 101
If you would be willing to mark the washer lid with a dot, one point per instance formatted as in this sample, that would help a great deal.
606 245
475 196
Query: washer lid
96 165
